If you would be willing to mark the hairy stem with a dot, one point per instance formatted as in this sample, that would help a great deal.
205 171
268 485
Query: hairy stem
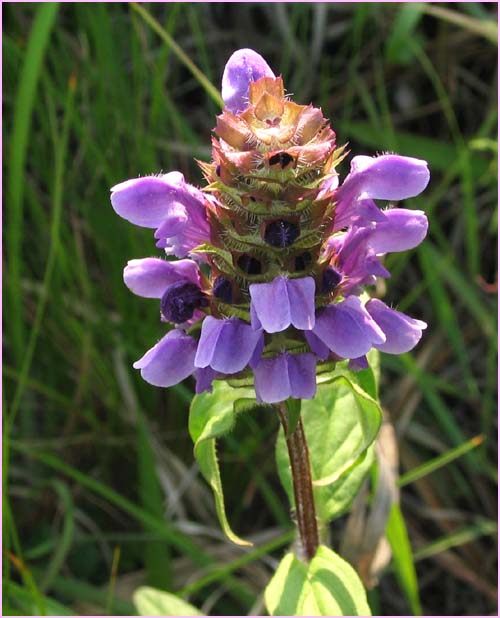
302 484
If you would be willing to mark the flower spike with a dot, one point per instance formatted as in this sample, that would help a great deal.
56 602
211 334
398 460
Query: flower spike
276 250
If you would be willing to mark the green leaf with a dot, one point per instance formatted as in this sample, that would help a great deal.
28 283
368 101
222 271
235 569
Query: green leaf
369 378
328 586
211 416
403 563
152 602
340 424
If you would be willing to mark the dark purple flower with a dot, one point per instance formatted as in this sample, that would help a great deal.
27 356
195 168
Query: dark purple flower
330 279
223 289
170 361
402 333
281 233
226 345
286 375
180 300
282 302
243 67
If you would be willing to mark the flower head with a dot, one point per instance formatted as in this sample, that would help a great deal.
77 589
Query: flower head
276 250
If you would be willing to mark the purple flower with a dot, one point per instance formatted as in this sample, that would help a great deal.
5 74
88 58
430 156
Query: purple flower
283 301
176 283
354 259
287 252
402 333
359 212
150 277
243 67
387 177
355 252
402 230
180 301
176 209
284 376
226 345
170 361
347 328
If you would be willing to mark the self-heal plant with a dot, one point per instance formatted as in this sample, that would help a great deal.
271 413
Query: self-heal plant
267 297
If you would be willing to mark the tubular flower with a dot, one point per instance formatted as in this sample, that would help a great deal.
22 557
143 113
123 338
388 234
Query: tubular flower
276 250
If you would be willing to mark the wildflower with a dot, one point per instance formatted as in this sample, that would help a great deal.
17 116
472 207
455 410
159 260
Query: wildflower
276 251
175 209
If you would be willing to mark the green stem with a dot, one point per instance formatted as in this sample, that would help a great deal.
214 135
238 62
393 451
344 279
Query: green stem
302 484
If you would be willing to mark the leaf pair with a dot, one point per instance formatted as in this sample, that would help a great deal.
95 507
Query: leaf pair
327 586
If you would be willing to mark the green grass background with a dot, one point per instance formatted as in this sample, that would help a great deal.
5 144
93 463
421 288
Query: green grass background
100 491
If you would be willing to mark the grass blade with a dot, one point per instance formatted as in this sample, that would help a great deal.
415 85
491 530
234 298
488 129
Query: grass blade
404 567
209 88
438 462
24 104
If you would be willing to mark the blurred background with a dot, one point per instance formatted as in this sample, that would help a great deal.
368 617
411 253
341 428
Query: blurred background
101 494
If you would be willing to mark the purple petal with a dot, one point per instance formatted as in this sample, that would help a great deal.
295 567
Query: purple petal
321 350
302 375
254 319
359 212
243 67
170 361
284 376
357 364
257 353
388 177
226 345
347 328
145 201
330 184
204 379
174 221
404 229
402 332
367 210
272 383
301 301
282 302
150 277
185 225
